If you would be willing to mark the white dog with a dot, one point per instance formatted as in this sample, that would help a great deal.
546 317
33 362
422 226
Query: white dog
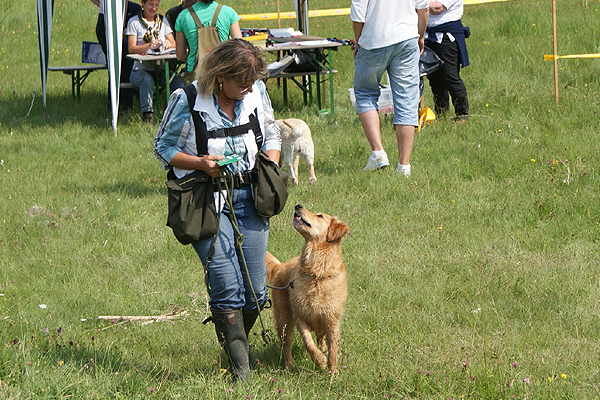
296 141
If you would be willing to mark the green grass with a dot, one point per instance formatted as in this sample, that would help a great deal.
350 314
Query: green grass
475 278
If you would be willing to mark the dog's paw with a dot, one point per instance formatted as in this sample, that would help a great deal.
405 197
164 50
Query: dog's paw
320 361
288 361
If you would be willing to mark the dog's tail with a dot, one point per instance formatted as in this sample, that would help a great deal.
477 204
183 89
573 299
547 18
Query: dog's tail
272 264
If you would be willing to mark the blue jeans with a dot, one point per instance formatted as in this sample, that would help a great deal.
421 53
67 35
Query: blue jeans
144 81
227 278
401 61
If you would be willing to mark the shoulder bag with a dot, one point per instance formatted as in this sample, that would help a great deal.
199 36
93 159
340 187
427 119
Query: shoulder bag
270 189
192 214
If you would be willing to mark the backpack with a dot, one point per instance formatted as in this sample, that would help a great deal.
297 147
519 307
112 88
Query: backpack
208 37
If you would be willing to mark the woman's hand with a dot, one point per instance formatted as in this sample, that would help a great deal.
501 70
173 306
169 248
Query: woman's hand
206 163
169 41
435 7
210 166
155 44
274 155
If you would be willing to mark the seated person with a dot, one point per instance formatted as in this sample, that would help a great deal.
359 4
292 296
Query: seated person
186 29
133 9
148 32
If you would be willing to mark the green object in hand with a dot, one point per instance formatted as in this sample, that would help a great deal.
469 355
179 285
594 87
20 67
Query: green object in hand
229 159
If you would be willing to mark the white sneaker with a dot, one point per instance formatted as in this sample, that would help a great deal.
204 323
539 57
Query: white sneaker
374 163
403 169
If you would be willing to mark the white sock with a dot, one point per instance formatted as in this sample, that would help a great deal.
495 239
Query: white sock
378 153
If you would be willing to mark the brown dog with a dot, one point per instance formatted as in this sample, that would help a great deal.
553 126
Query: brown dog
315 300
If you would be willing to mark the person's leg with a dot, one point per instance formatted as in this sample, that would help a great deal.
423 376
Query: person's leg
454 84
447 79
229 327
255 231
441 99
369 66
370 122
101 36
404 81
224 275
101 33
371 125
437 82
125 95
176 81
145 84
405 134
226 293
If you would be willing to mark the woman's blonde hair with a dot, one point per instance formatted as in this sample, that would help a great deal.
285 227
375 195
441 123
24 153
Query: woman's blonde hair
236 60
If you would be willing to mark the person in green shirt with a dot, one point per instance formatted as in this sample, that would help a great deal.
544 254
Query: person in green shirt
186 29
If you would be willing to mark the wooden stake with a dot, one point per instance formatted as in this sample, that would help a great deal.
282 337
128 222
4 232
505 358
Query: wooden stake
142 318
278 19
555 51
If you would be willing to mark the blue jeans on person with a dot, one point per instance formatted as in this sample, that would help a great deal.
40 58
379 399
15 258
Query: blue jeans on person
227 278
144 80
401 61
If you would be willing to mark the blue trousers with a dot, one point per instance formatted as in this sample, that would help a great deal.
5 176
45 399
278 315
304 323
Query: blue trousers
144 80
227 277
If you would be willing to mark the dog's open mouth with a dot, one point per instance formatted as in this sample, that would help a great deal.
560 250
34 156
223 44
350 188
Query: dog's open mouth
299 220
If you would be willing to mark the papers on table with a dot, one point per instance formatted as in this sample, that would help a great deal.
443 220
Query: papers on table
313 42
284 32
276 67
154 52
300 44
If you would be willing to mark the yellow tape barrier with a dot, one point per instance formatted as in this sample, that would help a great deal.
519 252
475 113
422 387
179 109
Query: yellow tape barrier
326 13
472 2
292 14
550 57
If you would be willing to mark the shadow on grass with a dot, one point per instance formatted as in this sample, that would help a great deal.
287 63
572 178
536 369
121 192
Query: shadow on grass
106 356
93 110
146 188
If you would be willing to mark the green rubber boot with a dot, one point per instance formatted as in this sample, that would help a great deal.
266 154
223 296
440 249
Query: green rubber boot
250 317
229 325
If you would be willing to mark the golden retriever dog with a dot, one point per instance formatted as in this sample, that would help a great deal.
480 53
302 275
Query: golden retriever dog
314 302
296 140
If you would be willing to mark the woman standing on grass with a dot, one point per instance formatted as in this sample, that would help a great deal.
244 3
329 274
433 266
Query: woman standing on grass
147 33
230 95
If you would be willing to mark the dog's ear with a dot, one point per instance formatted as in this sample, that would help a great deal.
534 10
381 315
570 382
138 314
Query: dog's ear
337 230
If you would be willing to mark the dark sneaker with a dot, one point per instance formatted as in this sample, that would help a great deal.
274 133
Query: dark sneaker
148 117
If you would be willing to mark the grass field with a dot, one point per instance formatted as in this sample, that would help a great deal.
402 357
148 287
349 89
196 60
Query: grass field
476 278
